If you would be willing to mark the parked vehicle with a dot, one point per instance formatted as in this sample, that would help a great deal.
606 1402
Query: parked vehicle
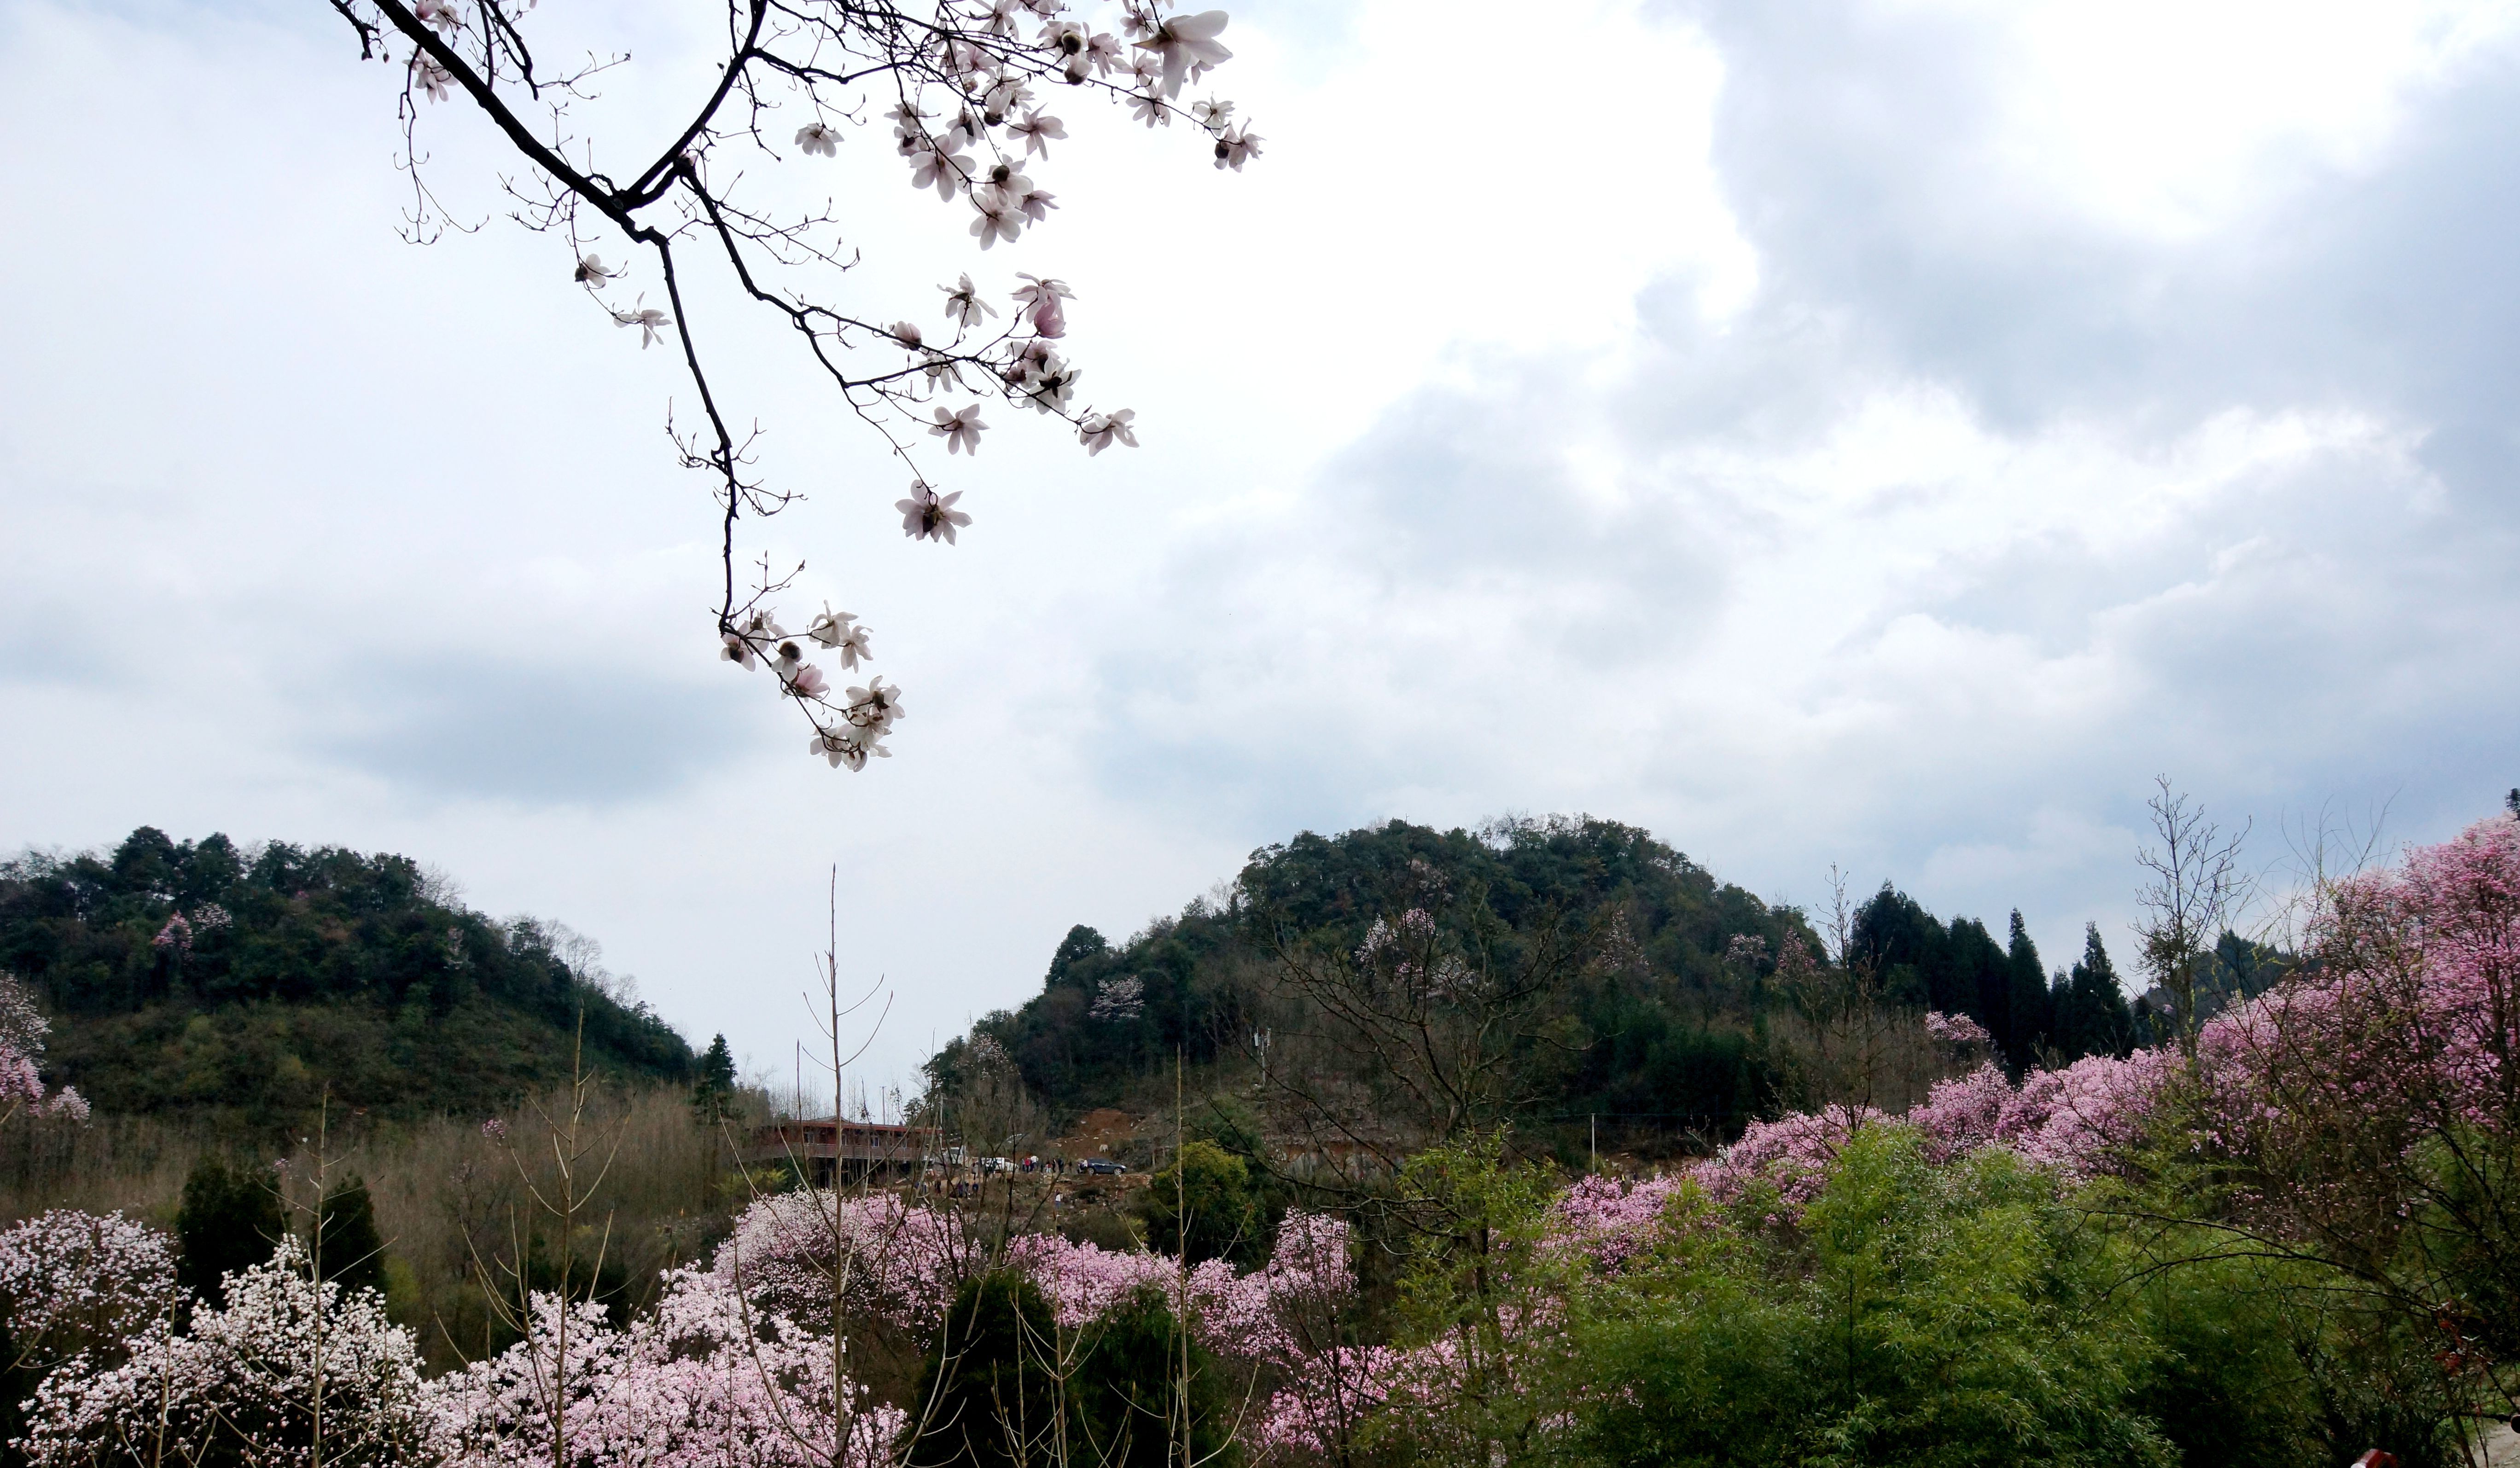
1100 1166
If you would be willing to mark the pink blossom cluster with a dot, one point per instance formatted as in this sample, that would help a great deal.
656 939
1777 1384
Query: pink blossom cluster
23 1029
895 1261
705 1380
1608 1220
1957 1031
2406 1027
2078 1119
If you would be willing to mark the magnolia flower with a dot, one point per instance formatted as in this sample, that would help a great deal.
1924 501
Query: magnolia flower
1000 216
846 745
646 318
1051 385
905 334
1005 98
808 682
1106 53
1066 37
1211 114
1038 132
592 269
1149 109
431 78
963 304
963 132
815 138
1040 300
941 168
838 631
927 515
1188 46
874 707
761 623
1234 145
961 431
439 14
1099 430
1037 204
1002 15
737 650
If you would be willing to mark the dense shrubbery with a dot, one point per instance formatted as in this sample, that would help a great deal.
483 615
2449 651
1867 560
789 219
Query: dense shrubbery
201 974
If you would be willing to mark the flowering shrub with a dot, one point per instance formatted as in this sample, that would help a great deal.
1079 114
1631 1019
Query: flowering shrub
72 1281
23 1028
245 1383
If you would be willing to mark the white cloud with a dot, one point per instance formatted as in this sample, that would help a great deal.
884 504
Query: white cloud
1885 437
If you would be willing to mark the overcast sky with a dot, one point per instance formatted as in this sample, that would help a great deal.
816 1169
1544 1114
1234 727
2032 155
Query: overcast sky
1874 433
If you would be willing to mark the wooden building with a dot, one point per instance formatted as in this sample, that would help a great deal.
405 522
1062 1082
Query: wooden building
824 1150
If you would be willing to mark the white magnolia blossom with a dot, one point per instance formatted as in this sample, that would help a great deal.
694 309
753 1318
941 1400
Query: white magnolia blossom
970 117
1000 216
1187 45
1038 133
840 632
928 516
431 78
963 304
646 318
959 428
1235 146
1099 430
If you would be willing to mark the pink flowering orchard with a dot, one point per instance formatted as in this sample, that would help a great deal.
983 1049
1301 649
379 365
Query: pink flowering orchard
971 91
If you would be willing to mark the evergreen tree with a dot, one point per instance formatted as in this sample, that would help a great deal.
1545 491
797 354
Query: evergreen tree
1127 1391
2092 1018
991 1378
2033 1019
229 1221
1202 1207
714 1091
1983 980
352 1252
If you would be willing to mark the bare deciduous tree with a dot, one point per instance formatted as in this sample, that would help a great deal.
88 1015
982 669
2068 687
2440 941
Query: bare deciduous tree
2197 888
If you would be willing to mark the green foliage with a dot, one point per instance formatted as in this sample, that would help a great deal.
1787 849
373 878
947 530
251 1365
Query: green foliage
297 970
1950 1315
347 1248
1126 1395
1665 1045
990 1389
229 1221
1202 1207
714 1091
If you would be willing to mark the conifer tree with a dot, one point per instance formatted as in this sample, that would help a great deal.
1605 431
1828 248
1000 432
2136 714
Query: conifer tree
714 1091
229 1221
352 1253
2033 1019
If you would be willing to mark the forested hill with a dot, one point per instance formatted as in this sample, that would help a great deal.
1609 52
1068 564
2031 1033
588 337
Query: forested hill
1677 1037
245 980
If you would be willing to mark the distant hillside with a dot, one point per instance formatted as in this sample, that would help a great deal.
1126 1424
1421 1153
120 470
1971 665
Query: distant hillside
1669 1043
1672 1040
202 975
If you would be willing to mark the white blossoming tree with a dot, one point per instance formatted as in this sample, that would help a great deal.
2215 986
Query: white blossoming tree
967 86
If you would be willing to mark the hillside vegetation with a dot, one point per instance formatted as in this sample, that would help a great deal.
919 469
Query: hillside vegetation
1661 1017
243 982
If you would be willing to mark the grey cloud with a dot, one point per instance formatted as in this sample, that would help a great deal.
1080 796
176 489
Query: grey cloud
468 726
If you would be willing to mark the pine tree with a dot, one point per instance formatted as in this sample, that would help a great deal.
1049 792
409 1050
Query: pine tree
714 1091
2034 1017
352 1252
229 1221
2094 1019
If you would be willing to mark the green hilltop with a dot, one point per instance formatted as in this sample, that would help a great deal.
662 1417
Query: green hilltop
245 983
